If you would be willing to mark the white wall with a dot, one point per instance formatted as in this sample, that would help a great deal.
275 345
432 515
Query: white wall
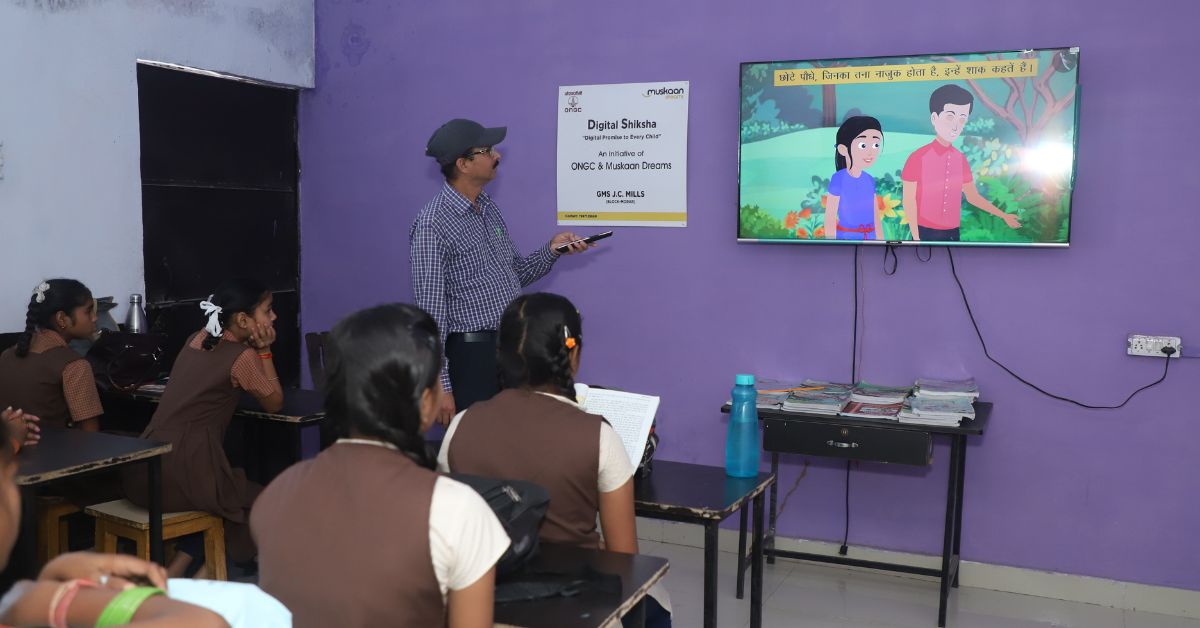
70 196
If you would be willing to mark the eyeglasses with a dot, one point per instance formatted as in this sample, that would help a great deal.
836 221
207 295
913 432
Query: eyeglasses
481 151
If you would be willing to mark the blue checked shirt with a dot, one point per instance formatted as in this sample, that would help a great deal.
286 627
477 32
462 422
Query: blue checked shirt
465 267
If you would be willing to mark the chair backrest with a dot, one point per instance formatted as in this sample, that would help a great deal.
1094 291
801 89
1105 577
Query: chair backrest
315 342
8 339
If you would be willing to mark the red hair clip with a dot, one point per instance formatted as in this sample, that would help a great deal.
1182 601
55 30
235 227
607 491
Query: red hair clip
567 339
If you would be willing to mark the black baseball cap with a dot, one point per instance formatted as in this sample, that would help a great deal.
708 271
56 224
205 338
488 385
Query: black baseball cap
459 135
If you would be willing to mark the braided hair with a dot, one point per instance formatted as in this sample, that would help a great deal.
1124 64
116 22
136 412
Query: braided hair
234 296
380 361
537 334
60 295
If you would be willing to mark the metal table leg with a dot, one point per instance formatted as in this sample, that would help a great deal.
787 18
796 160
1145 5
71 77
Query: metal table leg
770 540
948 533
741 563
710 574
756 565
960 442
155 500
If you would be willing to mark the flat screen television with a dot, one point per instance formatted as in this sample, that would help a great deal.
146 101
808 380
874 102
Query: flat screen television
938 149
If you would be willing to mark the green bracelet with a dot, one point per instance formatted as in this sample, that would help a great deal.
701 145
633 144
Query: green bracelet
121 608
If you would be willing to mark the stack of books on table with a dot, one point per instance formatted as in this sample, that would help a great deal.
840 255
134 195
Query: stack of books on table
940 402
773 392
818 397
872 401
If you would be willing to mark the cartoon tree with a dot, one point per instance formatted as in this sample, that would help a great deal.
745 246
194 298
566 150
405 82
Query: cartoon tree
829 95
1029 121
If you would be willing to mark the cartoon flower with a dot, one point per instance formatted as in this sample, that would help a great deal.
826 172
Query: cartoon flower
791 220
802 233
823 197
805 212
819 232
887 205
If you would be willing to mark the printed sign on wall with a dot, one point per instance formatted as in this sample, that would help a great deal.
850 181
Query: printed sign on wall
622 154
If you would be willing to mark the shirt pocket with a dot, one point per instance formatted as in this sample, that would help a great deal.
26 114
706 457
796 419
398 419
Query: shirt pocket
470 260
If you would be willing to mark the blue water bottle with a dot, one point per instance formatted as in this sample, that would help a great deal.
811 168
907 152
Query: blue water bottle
743 443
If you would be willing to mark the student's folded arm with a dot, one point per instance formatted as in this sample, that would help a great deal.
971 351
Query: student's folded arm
257 376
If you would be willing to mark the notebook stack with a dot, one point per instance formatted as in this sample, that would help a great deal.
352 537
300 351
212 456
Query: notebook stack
872 401
818 397
940 402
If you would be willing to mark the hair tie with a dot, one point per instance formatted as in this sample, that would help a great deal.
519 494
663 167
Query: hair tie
39 293
213 311
567 339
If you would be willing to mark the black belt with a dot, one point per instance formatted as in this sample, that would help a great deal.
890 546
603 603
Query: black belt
473 336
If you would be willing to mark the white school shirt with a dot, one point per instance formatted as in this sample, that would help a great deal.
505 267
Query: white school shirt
465 538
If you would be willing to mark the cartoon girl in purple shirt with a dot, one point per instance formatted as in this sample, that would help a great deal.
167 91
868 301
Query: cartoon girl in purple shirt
850 209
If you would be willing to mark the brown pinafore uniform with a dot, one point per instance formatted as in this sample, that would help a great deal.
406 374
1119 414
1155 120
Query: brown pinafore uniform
343 540
34 383
523 435
194 413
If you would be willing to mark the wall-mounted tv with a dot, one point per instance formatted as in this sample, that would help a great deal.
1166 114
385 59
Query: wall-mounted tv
939 149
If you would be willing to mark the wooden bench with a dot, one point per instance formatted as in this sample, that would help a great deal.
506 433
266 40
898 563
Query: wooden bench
52 527
121 518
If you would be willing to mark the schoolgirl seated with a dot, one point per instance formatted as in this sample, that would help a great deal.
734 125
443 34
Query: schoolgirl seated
41 375
534 430
232 353
366 533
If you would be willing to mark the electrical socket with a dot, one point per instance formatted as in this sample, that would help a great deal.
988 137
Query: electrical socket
1152 346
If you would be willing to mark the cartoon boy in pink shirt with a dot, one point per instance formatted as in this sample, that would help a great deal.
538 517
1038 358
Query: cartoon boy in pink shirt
937 176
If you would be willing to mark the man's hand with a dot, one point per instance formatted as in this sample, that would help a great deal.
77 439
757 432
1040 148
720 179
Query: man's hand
1011 221
569 239
445 408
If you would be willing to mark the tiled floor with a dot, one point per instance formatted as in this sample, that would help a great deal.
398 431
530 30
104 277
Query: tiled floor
808 595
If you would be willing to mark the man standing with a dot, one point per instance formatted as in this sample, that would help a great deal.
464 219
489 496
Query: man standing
937 176
465 267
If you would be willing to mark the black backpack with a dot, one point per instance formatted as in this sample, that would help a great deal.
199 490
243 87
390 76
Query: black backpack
520 507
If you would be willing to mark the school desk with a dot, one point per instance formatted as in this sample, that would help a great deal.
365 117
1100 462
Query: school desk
693 493
66 453
590 608
301 415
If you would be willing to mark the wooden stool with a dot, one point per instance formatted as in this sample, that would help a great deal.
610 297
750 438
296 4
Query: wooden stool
121 518
52 527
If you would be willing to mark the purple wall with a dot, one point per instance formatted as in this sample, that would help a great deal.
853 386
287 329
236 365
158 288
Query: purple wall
677 312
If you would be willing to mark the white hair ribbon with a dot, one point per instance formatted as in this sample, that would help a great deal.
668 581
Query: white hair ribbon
213 311
40 292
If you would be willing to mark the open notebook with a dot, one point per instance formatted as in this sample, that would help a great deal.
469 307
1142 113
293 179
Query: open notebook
630 414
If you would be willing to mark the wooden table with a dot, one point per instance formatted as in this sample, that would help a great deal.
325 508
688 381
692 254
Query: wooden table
704 495
69 453
590 609
303 411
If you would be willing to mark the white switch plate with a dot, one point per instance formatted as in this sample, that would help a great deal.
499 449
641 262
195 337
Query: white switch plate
1152 346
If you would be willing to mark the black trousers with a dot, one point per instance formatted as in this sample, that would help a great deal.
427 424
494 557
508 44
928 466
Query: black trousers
938 235
472 363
